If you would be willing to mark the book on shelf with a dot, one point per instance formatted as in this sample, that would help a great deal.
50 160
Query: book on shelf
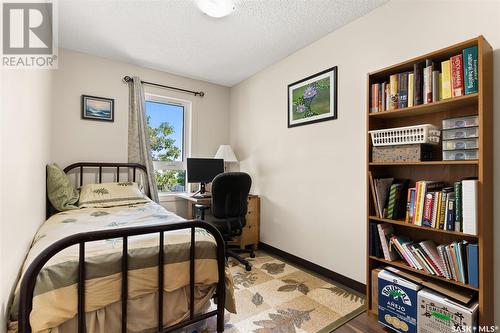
435 86
418 73
428 82
402 90
458 294
382 95
411 88
393 92
450 212
431 204
446 79
456 261
428 69
458 206
472 265
469 206
423 187
374 240
385 232
470 63
457 76
382 187
373 99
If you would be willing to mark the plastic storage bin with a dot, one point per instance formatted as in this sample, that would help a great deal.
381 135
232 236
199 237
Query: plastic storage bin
461 133
460 144
406 135
460 155
461 122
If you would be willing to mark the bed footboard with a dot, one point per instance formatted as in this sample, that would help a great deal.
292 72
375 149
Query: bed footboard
30 276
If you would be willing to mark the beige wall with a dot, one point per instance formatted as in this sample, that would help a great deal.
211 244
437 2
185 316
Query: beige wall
25 149
312 178
74 139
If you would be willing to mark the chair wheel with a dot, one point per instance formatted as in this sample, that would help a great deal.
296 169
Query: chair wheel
252 255
248 267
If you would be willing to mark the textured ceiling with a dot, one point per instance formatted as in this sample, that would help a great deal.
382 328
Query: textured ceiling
174 36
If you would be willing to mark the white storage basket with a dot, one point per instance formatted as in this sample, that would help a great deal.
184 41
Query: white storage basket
406 135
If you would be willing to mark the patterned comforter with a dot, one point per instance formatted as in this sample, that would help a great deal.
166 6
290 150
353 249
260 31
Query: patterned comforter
55 296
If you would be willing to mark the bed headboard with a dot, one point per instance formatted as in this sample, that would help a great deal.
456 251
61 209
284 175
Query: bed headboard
133 171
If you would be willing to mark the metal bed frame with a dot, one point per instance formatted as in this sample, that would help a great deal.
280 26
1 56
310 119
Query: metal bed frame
29 279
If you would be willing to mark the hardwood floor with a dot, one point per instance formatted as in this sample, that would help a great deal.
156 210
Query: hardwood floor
363 323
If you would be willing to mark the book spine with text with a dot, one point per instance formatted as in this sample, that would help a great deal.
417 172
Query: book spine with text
393 92
418 86
450 212
470 69
428 81
402 90
457 76
435 208
428 204
382 93
379 97
458 206
410 205
446 80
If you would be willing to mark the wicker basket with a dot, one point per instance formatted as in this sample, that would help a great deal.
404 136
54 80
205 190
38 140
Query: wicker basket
406 135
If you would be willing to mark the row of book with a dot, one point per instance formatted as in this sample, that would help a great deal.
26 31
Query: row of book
428 82
455 261
429 204
432 204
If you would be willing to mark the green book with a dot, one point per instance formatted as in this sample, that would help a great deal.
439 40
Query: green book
458 206
469 56
393 200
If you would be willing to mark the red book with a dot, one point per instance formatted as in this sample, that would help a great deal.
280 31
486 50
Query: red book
457 76
428 205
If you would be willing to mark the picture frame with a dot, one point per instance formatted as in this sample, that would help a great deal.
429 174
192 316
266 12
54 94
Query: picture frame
313 99
98 108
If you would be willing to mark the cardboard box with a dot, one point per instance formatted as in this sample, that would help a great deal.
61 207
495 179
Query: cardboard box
402 153
460 295
397 302
437 313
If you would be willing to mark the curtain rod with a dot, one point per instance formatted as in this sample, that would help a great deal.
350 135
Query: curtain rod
196 93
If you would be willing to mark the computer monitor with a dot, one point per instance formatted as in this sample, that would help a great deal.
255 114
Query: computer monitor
203 170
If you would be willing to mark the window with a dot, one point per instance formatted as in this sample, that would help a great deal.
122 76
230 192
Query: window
169 127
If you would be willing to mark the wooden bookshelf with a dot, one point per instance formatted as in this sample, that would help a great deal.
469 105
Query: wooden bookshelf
481 104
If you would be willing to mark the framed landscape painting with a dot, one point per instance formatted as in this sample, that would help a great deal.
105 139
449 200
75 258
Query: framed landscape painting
98 108
313 99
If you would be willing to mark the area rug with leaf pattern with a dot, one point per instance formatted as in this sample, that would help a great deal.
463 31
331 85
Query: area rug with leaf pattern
276 297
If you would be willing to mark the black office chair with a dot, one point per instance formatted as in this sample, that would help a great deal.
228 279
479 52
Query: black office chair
229 207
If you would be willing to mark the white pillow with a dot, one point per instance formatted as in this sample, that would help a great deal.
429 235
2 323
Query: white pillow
110 195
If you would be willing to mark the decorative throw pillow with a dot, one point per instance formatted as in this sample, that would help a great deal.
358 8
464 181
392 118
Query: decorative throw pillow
110 194
62 194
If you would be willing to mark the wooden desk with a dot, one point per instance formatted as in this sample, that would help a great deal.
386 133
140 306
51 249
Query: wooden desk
251 231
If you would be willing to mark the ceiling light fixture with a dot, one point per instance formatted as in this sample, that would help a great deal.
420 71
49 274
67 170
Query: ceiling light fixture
216 8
